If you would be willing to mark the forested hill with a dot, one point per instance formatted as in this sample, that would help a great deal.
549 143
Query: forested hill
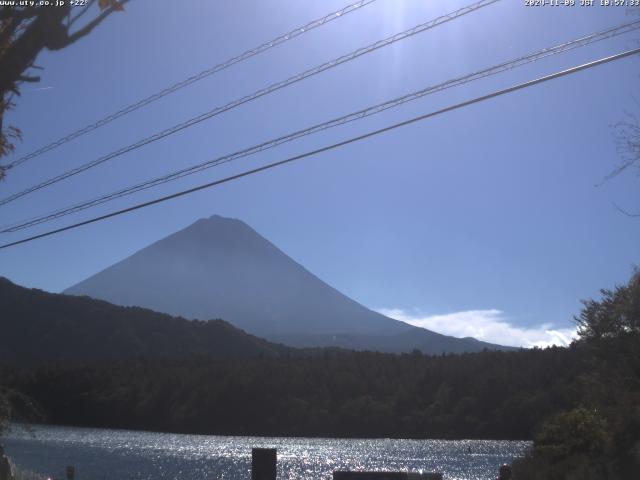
40 327
334 394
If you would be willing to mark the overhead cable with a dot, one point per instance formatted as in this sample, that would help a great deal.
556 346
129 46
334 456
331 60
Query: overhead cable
248 98
351 140
296 32
372 110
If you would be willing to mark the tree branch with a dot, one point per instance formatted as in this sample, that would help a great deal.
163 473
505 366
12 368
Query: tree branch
88 28
82 12
29 78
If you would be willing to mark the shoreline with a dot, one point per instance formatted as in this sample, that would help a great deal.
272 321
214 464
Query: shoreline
27 426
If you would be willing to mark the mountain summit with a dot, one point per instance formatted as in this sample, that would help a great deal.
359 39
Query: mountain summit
222 268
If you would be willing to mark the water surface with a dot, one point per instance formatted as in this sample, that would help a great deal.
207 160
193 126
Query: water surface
101 454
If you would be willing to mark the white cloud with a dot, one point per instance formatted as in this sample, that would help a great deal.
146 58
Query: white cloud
487 325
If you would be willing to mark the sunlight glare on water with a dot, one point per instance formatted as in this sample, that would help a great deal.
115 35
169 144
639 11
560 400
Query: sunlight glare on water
100 454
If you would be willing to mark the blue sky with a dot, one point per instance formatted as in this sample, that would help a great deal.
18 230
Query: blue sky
485 220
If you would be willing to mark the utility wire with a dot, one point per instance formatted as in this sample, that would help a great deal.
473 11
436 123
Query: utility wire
269 166
193 79
520 61
260 93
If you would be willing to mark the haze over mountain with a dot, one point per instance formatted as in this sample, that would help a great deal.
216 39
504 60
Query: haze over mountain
221 268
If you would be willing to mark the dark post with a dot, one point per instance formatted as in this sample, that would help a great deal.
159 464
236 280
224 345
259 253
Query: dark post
504 473
71 472
263 464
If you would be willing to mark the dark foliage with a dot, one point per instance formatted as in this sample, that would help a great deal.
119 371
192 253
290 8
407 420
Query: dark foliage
17 407
39 327
334 393
600 439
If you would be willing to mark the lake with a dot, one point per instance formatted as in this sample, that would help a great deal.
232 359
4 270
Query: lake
101 454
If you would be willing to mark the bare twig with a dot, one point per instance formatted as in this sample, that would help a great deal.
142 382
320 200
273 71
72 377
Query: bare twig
627 137
88 28
82 12
29 78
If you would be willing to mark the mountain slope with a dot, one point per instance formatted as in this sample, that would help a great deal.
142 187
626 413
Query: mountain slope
222 268
37 327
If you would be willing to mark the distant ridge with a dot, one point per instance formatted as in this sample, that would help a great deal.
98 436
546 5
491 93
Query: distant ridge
221 268
39 327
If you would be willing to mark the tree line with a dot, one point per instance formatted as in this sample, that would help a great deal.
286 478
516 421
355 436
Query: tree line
333 393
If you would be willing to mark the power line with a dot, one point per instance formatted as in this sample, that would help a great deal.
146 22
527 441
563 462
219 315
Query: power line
269 166
193 79
520 61
260 93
